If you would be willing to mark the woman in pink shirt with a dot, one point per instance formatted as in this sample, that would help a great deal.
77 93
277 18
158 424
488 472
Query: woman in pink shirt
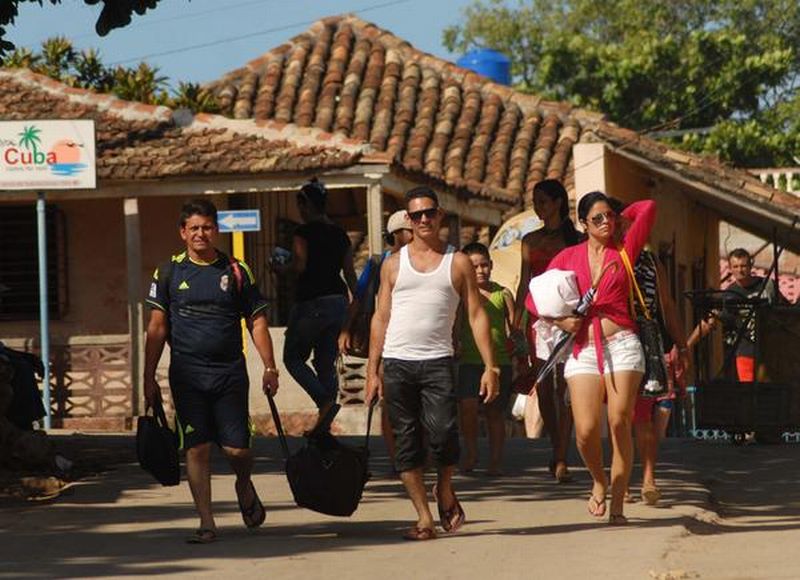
607 362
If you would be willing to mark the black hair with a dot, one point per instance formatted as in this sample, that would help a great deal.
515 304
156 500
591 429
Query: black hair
617 205
553 189
200 206
316 193
476 248
587 202
740 253
421 191
389 238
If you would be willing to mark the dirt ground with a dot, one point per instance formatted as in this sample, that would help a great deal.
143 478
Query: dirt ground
727 513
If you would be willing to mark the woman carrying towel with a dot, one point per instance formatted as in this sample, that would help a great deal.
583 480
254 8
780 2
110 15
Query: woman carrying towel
607 362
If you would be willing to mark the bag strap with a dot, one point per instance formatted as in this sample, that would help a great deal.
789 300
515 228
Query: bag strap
158 412
369 424
276 418
633 283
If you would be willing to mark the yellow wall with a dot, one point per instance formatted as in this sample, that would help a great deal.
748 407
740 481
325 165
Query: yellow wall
691 227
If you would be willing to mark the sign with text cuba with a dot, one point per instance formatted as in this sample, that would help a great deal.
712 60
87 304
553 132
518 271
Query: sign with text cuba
47 154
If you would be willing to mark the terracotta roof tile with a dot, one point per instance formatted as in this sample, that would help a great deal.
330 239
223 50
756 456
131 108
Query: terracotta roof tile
137 141
432 117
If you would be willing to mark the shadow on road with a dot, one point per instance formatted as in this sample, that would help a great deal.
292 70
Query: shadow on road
94 531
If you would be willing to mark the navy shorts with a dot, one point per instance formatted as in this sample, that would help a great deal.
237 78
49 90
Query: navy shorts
218 414
469 382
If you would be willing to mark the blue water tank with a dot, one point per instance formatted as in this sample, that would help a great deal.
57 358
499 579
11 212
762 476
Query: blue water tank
488 63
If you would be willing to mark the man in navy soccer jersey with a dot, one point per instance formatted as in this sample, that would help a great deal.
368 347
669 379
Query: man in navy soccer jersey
197 303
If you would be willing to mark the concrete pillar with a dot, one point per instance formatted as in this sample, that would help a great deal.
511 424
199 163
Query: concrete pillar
133 255
375 218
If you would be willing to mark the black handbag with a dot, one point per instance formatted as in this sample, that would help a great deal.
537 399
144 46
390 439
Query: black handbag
325 475
654 382
157 447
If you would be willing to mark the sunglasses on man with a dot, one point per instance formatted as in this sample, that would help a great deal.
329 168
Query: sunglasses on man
430 213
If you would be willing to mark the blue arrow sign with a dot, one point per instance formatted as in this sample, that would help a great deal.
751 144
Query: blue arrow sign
240 220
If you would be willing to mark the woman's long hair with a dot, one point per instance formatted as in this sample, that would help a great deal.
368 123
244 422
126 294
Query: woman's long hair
553 189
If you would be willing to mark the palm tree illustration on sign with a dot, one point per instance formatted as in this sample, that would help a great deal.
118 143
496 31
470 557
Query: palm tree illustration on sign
29 138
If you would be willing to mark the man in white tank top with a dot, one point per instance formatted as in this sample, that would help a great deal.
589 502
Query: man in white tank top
412 332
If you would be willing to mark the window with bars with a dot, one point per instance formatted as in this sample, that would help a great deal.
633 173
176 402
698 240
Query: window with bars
19 266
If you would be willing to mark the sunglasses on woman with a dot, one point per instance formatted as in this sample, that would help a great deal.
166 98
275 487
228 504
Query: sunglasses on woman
600 218
430 213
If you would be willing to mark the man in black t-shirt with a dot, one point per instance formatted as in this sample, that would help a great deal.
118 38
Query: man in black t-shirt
749 287
321 253
197 303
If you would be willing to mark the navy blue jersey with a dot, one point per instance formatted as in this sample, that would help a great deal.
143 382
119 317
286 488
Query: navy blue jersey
205 307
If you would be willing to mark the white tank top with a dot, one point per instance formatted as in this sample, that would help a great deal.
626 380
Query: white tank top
424 308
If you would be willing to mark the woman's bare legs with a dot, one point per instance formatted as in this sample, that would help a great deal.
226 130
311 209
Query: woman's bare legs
586 395
621 390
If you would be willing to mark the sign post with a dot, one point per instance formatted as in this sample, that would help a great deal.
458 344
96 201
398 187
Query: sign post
237 222
41 155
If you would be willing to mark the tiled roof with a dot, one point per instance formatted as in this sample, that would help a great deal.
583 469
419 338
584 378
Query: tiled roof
700 168
138 141
432 118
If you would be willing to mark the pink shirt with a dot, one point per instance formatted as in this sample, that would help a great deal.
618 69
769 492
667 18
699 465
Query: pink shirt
611 300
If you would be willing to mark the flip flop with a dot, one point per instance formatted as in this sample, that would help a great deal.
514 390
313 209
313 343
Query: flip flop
255 514
597 506
617 520
451 518
202 536
416 534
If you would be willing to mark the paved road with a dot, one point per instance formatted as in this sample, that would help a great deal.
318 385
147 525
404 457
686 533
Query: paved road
727 513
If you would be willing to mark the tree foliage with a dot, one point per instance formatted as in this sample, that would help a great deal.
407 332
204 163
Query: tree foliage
59 60
115 14
650 65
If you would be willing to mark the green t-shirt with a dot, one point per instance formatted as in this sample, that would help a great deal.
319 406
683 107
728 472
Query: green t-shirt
495 308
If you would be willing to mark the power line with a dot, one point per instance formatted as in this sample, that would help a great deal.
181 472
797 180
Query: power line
146 23
249 35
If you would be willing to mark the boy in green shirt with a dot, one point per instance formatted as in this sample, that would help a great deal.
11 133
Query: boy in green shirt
499 305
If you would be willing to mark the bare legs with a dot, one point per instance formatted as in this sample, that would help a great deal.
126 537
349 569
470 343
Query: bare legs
198 472
495 427
468 416
415 487
586 394
587 407
557 418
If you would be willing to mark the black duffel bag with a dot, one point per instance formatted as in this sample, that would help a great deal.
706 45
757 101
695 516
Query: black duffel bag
157 447
325 475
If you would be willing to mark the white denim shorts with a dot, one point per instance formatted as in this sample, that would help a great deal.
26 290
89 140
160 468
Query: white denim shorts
621 352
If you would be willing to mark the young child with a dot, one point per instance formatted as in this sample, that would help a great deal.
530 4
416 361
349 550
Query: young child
499 305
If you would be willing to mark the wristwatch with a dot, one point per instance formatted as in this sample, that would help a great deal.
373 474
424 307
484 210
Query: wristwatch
495 370
272 371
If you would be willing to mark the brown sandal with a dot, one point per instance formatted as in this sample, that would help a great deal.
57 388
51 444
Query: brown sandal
254 514
417 534
617 520
450 518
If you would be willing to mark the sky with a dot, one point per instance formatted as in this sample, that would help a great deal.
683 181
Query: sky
200 40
